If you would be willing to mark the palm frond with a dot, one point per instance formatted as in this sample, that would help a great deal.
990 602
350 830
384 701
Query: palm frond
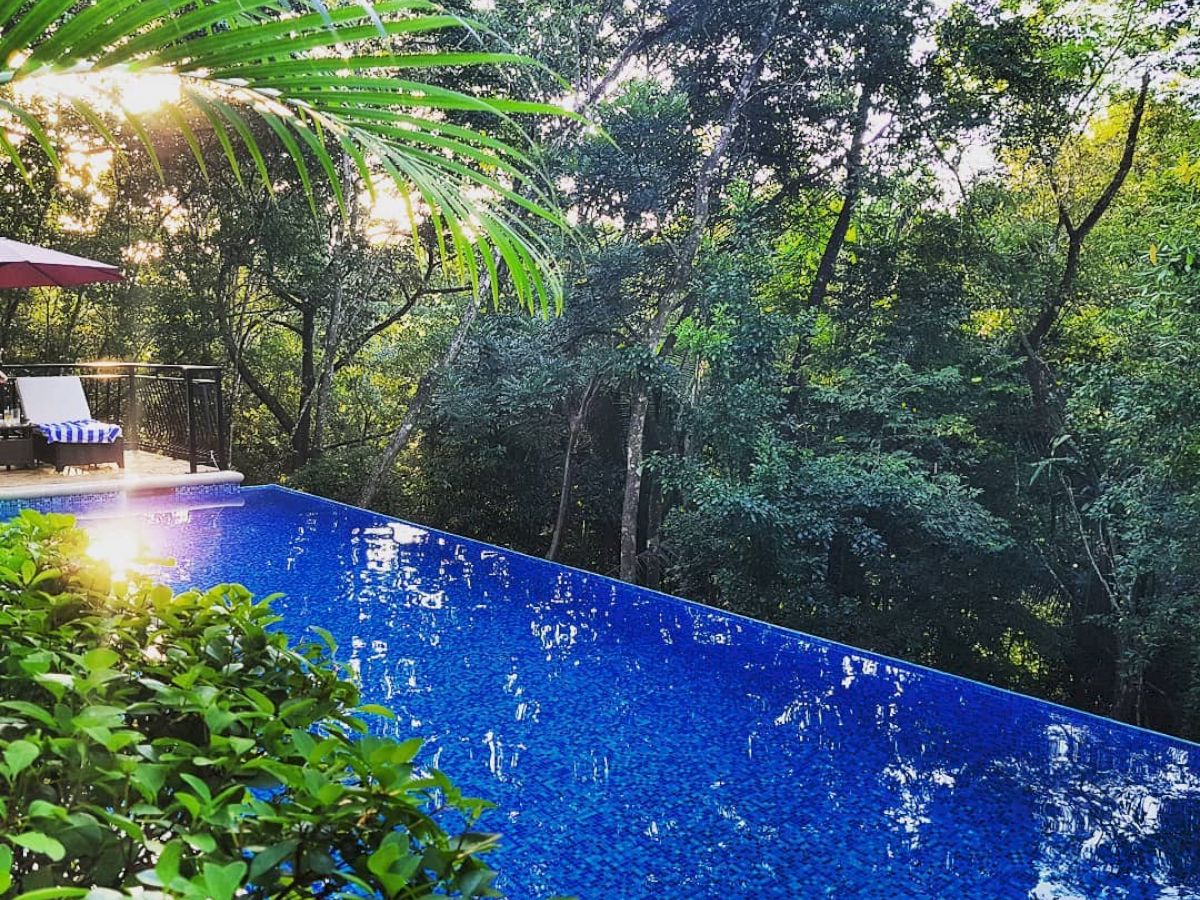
320 76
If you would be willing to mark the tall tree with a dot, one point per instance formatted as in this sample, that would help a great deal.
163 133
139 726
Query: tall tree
675 296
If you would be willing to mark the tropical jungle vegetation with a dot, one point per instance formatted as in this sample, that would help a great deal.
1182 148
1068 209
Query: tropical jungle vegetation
875 319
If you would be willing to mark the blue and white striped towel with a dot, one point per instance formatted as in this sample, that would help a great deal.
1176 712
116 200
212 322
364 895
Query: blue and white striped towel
81 431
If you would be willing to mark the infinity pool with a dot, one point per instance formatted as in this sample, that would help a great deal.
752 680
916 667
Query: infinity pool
641 746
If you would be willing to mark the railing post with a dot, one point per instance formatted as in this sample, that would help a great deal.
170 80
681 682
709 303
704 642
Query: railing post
222 423
133 411
190 393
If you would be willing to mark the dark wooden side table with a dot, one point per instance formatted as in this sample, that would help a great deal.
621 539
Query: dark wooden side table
16 446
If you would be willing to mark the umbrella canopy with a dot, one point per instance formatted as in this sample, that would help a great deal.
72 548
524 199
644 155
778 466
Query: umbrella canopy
24 265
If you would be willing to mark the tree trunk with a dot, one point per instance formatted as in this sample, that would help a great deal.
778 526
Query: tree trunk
67 336
652 571
302 434
850 195
1037 372
337 312
324 390
236 353
1047 411
707 183
575 425
403 432
644 40
223 289
631 501
564 492
851 192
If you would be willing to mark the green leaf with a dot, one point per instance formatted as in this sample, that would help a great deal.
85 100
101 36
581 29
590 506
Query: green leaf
326 637
56 683
205 843
218 719
6 861
332 79
149 778
28 26
393 863
41 809
147 785
267 859
34 663
374 709
99 659
14 156
121 823
19 755
31 710
223 881
198 786
261 700
167 867
189 802
39 842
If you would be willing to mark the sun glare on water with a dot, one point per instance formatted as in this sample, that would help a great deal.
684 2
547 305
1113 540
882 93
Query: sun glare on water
122 545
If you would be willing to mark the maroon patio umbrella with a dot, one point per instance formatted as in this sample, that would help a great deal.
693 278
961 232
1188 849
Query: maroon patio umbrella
24 265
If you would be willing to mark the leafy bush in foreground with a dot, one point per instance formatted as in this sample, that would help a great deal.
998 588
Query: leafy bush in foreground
172 745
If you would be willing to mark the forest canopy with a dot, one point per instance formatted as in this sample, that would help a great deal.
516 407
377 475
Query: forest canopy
876 319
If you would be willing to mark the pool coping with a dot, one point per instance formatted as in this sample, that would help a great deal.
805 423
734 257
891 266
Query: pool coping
130 483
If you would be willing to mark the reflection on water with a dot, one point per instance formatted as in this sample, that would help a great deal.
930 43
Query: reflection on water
640 746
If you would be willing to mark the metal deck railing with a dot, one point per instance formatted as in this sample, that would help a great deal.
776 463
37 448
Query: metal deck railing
173 410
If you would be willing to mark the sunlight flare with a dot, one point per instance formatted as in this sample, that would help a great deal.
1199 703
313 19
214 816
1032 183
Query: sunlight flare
114 90
122 546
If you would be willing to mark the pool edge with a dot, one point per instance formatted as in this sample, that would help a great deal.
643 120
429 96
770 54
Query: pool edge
130 483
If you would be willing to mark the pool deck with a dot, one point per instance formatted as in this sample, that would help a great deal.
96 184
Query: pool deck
143 472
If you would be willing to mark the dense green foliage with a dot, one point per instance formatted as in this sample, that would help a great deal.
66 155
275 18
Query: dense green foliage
880 320
324 83
176 745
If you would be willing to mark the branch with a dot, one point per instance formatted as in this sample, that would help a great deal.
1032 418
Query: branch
416 406
378 328
708 171
1078 234
260 390
384 324
644 40
285 294
1114 185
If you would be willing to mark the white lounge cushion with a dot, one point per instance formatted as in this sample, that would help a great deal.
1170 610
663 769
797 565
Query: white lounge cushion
52 399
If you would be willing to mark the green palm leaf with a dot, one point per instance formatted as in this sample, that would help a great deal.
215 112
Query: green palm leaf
321 76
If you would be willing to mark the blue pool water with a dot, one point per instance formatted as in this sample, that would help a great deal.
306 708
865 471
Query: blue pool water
642 746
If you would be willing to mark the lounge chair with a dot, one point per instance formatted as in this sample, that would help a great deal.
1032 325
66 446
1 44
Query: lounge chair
64 432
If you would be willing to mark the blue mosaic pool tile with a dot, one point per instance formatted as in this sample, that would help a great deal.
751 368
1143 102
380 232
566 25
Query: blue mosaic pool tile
642 746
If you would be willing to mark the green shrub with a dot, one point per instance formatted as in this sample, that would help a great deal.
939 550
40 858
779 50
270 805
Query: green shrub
172 743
